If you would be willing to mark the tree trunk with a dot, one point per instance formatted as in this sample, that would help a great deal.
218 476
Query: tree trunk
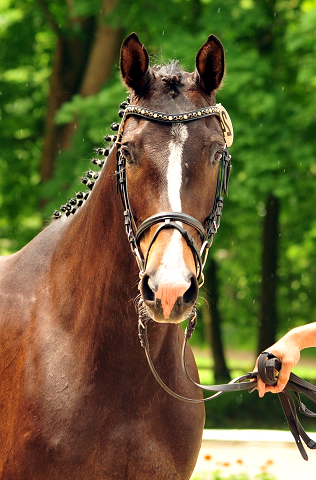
268 309
83 62
212 322
104 53
68 70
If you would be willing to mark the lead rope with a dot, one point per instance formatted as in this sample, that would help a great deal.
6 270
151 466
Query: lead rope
268 364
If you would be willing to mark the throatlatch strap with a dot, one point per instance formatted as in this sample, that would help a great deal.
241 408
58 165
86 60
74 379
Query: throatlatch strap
267 365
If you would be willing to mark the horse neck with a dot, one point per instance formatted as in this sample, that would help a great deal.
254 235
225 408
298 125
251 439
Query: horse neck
94 271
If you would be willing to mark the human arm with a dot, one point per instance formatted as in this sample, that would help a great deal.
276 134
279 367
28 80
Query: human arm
288 349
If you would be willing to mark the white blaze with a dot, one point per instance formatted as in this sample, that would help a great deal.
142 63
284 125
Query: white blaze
172 263
174 174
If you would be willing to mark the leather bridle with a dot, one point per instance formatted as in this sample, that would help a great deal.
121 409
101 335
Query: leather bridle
169 219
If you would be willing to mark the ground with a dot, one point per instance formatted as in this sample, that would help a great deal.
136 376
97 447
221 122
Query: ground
254 452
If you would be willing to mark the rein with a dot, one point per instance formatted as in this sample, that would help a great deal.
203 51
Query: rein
232 386
268 364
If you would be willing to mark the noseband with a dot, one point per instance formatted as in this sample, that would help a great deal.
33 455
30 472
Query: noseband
170 219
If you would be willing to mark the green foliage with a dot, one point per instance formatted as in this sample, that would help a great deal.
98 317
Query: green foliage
96 113
274 152
269 91
25 55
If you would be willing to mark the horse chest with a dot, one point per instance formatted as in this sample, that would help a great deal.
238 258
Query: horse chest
73 421
86 440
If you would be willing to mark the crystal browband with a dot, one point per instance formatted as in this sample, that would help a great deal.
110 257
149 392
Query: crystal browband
181 117
218 110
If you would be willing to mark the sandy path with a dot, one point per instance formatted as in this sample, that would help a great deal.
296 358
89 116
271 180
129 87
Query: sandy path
253 452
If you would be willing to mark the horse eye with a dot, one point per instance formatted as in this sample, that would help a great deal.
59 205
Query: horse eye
218 155
126 154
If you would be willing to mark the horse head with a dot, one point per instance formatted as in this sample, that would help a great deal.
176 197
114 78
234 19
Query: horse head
171 170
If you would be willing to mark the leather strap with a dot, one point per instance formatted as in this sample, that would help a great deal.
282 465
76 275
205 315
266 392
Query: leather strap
245 382
172 216
171 118
268 364
165 218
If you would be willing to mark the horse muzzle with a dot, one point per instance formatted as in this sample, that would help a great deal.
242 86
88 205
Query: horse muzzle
169 300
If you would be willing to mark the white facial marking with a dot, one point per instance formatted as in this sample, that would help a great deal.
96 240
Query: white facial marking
172 263
174 174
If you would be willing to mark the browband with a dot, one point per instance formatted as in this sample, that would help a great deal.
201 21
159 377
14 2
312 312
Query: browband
164 117
218 110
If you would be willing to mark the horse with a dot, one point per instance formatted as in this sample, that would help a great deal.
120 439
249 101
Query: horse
77 399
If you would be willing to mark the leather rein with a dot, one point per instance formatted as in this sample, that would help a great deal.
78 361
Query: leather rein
268 364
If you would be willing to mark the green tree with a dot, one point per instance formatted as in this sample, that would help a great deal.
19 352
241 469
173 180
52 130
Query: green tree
213 323
268 315
273 151
86 49
26 47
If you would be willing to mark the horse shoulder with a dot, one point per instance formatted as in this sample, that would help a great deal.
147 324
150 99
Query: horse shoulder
24 286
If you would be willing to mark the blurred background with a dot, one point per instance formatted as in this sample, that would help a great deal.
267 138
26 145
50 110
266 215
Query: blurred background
59 92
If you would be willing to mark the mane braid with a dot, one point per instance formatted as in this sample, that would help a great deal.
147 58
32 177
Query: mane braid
91 177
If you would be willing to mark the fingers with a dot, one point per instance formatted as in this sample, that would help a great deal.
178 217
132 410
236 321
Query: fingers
287 350
284 374
261 387
288 360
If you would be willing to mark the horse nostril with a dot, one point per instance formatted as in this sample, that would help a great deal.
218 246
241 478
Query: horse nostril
147 293
169 300
191 295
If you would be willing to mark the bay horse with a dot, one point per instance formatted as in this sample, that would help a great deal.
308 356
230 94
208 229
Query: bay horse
77 399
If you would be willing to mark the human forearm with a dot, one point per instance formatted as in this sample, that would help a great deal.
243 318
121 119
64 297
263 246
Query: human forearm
288 349
303 336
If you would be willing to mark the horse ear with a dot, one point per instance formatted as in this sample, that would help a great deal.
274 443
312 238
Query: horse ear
134 62
210 64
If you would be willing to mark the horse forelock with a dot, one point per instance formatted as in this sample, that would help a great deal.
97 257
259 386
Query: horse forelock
170 69
171 74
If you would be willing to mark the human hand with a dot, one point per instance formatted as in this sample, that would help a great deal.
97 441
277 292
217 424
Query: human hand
287 350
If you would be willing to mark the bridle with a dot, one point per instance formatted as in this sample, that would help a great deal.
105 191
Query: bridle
267 362
169 219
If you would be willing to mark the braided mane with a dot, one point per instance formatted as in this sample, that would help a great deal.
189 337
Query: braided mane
171 75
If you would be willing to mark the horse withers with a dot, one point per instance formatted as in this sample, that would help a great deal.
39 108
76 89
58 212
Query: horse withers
77 399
